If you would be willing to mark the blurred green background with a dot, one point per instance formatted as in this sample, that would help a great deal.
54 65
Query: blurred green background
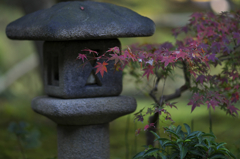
20 82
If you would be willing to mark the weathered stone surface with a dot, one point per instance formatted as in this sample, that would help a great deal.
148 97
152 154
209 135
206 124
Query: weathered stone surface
83 142
85 111
80 20
66 77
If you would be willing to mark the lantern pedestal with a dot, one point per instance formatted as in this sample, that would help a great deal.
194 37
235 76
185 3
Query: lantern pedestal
79 142
83 123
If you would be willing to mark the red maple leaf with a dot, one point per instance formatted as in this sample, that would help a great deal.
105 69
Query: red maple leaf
152 124
117 58
201 79
196 101
148 71
101 67
233 109
114 49
180 54
171 104
139 118
235 97
212 103
209 31
167 60
128 53
146 127
81 56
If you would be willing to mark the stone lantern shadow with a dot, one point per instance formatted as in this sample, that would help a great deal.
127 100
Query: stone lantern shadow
81 102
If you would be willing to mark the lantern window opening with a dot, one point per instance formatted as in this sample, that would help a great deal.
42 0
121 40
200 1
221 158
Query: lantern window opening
53 70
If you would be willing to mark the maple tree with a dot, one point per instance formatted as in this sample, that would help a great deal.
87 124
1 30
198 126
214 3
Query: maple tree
210 41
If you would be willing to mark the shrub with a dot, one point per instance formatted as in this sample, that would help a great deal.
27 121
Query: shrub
186 145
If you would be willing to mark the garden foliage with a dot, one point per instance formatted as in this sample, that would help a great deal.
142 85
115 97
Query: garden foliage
186 145
207 41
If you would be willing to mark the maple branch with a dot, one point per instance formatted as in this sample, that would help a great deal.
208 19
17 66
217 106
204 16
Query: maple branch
161 101
155 89
180 90
153 119
227 58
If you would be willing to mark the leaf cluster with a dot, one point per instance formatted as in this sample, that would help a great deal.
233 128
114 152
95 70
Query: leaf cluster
211 41
186 145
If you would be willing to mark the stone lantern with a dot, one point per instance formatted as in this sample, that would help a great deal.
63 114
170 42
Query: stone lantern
81 102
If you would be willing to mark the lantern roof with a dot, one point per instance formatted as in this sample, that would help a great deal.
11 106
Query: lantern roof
79 21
